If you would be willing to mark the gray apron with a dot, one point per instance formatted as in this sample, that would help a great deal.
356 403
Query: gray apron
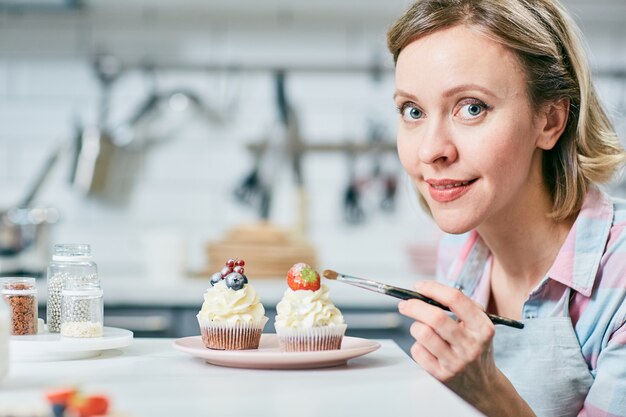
544 363
543 360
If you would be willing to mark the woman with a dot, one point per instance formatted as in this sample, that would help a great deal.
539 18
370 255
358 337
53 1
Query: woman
502 133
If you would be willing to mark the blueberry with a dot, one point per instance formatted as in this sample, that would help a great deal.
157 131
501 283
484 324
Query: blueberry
235 281
215 278
245 279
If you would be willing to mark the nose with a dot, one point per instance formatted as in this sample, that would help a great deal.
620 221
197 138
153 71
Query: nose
437 144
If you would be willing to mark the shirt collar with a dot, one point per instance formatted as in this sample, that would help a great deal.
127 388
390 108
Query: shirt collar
577 262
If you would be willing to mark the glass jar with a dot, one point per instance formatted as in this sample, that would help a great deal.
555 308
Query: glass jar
21 296
5 320
82 308
69 262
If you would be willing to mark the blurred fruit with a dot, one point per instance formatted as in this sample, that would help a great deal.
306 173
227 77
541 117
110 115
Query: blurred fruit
58 410
95 405
69 401
60 396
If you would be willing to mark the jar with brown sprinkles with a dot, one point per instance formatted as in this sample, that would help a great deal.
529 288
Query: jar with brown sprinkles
21 296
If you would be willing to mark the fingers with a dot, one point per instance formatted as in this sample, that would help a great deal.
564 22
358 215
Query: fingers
429 362
445 347
449 340
463 307
435 318
428 339
443 336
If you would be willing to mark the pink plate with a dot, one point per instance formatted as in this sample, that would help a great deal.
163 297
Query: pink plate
269 355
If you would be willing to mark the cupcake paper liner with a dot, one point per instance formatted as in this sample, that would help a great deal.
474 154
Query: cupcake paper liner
310 339
228 336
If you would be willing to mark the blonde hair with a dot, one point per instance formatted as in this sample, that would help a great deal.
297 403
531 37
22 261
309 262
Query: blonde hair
549 46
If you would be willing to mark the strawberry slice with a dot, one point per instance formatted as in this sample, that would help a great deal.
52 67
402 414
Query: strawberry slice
303 277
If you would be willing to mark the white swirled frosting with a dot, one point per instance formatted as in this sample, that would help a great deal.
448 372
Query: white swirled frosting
305 309
224 305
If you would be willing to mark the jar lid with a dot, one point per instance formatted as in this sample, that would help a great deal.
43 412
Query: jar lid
71 252
71 258
17 285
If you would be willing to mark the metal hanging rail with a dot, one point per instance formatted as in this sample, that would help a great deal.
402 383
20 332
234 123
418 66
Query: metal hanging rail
375 69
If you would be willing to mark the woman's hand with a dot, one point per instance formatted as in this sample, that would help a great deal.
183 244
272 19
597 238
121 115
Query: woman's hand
456 352
459 352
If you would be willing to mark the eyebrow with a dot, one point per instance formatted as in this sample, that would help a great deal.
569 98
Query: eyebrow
452 91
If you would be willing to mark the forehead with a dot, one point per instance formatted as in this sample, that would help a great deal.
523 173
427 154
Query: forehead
459 55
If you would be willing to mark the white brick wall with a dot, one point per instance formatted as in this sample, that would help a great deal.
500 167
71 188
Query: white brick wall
186 184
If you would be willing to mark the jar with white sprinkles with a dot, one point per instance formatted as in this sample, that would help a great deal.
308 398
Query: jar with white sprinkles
82 308
70 262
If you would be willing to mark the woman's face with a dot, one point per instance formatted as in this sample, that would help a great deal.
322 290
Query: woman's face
467 135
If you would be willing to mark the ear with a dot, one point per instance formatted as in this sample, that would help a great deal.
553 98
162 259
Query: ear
552 121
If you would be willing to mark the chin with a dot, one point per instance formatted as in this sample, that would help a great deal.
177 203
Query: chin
454 223
454 229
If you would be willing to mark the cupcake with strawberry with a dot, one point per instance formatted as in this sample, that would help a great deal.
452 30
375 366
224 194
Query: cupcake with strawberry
306 318
232 316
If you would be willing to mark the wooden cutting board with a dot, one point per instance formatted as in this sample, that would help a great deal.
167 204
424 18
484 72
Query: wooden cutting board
269 251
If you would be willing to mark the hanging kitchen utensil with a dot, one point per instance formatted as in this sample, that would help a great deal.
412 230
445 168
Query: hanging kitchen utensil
256 187
390 188
106 159
375 139
250 187
353 212
42 176
387 181
25 228
294 147
103 168
153 109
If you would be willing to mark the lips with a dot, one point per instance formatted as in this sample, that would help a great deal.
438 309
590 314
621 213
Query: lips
446 190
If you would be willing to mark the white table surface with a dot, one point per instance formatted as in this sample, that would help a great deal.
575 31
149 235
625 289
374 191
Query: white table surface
151 379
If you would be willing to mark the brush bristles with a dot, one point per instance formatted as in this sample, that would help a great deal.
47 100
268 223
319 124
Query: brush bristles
330 274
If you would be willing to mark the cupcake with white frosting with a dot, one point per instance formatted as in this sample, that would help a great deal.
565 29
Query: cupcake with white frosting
306 318
232 316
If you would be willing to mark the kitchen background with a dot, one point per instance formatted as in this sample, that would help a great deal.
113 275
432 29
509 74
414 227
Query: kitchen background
198 95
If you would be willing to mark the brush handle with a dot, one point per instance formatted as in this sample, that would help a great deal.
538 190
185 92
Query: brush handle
408 295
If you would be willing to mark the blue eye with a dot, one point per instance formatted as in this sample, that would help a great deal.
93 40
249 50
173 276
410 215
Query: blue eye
472 110
410 112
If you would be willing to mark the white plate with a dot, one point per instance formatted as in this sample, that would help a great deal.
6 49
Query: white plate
269 355
53 346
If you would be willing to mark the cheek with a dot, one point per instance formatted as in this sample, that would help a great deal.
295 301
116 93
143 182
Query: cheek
507 156
408 151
